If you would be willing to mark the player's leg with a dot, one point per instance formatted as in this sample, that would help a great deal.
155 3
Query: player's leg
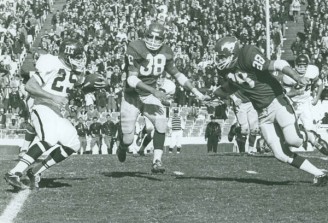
28 139
155 112
70 144
242 117
178 141
148 132
280 131
44 121
129 114
253 123
173 141
314 138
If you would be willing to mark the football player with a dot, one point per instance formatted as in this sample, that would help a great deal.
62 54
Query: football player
249 71
247 118
147 59
53 80
303 100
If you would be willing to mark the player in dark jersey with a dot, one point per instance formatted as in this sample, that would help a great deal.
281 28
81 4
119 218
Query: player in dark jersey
246 69
146 60
247 119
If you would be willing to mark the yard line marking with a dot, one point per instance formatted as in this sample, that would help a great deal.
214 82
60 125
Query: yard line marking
251 172
14 207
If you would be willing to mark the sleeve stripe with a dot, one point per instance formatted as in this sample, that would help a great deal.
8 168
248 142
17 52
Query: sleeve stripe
38 74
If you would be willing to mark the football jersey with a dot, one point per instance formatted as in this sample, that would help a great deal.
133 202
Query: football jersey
55 78
251 76
312 74
148 65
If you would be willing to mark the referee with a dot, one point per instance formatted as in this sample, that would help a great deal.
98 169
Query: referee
176 128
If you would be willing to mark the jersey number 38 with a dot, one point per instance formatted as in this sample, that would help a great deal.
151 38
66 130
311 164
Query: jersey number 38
154 67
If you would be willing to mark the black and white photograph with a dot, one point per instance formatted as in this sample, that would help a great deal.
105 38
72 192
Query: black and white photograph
163 111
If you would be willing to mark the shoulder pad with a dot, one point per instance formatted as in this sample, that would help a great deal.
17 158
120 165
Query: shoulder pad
167 51
47 63
312 72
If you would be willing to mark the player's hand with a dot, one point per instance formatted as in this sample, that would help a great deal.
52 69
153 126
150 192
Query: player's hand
60 101
160 95
315 101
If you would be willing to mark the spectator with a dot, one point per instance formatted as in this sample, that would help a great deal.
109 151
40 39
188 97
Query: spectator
111 100
3 118
212 135
107 130
298 44
82 131
92 113
325 119
15 101
295 9
101 100
95 133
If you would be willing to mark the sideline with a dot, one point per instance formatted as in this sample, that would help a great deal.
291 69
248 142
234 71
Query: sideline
14 206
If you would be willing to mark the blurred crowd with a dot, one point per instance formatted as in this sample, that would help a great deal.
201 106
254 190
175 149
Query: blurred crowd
105 27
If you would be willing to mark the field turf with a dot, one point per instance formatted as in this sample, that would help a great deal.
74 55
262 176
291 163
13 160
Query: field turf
222 187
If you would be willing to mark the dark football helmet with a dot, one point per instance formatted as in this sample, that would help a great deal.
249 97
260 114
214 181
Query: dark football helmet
72 53
226 52
301 63
154 36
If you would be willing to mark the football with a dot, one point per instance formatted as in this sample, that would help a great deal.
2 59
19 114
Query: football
94 81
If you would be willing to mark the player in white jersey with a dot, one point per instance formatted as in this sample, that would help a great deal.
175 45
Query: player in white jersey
53 80
305 97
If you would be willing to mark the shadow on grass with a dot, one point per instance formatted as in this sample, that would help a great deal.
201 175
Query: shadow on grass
243 180
243 155
130 174
54 183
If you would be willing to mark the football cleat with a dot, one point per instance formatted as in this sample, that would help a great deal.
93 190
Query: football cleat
121 153
34 179
157 167
14 180
320 181
320 144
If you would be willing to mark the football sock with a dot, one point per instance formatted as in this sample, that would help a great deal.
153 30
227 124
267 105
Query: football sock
145 143
305 165
157 155
25 145
29 158
56 156
251 140
158 140
310 168
29 137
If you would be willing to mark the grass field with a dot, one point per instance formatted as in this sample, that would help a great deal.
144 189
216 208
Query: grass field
214 188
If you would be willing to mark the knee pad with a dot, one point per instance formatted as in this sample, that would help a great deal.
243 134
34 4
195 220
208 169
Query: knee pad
161 125
127 139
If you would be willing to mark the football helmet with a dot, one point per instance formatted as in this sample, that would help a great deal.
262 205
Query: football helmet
226 52
301 63
72 53
154 36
